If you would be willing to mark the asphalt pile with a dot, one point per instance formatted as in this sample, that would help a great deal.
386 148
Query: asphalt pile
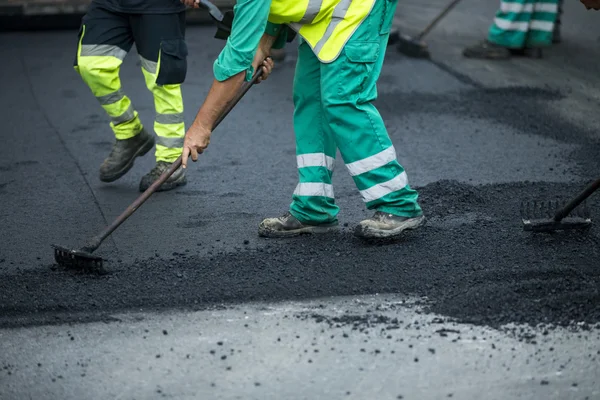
472 262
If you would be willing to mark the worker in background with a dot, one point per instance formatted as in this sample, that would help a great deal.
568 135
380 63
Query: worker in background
157 27
520 28
341 52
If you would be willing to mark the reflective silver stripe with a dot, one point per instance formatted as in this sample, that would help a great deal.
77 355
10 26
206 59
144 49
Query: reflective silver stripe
170 142
519 26
315 160
169 118
314 189
111 98
512 7
546 7
314 6
126 116
339 12
370 163
150 66
295 26
545 26
385 188
103 50
507 25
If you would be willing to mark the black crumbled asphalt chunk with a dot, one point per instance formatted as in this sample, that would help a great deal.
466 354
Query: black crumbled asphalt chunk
473 261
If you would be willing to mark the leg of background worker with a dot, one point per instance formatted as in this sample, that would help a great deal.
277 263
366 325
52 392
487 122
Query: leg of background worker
556 35
104 40
160 41
313 208
518 28
348 88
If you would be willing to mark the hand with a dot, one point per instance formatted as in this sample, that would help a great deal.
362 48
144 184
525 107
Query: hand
589 4
191 3
196 141
267 67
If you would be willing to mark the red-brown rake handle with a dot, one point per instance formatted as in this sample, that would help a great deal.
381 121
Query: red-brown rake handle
95 242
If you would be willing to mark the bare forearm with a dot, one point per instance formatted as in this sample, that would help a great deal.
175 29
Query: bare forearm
222 93
219 96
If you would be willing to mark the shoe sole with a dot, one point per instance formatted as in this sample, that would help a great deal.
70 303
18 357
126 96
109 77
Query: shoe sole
142 151
309 230
181 181
371 233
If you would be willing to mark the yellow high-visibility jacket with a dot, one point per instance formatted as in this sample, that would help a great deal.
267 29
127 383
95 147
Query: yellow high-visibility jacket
326 25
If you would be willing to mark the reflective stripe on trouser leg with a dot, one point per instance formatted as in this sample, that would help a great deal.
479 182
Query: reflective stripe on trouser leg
313 200
99 67
169 123
349 88
524 23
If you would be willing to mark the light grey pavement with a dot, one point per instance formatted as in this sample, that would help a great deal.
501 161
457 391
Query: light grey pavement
507 315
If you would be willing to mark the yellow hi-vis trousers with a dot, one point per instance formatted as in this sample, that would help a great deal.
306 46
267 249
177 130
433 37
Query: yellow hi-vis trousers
105 38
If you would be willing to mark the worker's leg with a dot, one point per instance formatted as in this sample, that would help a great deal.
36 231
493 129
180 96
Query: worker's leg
313 208
105 38
556 35
348 88
542 24
160 41
518 26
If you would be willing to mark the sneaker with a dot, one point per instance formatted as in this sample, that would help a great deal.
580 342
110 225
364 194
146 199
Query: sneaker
123 154
287 226
382 225
177 179
487 50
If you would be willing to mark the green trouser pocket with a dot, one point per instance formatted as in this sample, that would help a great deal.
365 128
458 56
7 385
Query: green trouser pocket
387 17
173 62
358 80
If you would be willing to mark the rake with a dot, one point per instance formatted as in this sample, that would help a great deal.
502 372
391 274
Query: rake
550 216
83 259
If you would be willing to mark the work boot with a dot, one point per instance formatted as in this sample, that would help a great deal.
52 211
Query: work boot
287 226
487 50
121 158
383 225
177 179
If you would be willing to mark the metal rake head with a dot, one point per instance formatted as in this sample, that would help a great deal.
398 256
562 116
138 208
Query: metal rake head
78 260
539 216
548 209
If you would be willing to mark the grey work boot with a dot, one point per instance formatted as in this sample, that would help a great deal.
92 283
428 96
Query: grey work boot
487 50
123 154
177 179
383 225
288 226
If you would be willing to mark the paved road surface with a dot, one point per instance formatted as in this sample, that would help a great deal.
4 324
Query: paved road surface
197 306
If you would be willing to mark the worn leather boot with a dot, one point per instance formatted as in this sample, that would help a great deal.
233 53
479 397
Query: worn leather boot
177 179
383 225
123 154
287 226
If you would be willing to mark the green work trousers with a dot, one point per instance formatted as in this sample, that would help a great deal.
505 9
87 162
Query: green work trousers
524 23
334 110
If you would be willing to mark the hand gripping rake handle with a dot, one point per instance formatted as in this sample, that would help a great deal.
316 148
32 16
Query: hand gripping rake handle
95 242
